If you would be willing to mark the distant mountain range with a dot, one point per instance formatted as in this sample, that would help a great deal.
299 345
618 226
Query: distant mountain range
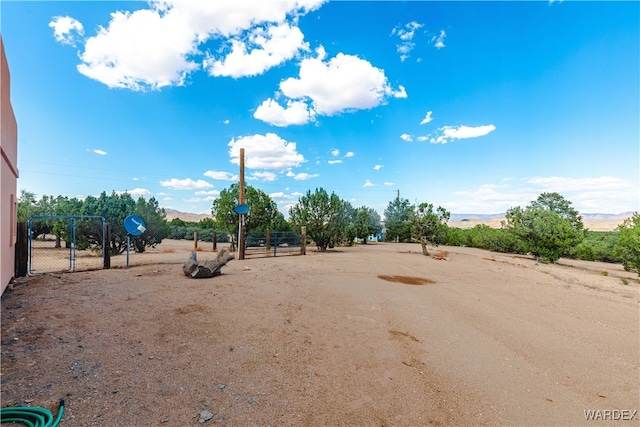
585 217
185 216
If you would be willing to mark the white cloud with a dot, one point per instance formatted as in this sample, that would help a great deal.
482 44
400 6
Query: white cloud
335 152
368 184
295 113
136 192
226 121
100 152
199 199
423 138
387 183
427 118
406 137
221 175
265 152
262 176
280 196
605 194
565 184
451 133
186 184
490 199
214 193
260 50
343 83
406 33
303 176
439 40
161 45
377 167
334 162
66 29
349 154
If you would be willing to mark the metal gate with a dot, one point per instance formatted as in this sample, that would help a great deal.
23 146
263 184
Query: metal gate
65 243
273 243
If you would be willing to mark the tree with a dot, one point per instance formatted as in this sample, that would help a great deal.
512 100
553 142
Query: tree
548 228
207 223
398 220
26 205
628 245
263 213
29 206
155 220
114 208
366 223
325 216
429 225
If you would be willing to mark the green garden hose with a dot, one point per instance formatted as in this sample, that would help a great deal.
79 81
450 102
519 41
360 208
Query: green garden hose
31 416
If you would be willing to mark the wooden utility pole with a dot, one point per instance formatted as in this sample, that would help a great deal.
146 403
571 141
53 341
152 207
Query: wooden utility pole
241 197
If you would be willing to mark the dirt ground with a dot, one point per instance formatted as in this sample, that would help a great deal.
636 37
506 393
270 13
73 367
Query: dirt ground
375 334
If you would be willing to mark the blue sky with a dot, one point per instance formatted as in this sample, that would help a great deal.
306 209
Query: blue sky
475 106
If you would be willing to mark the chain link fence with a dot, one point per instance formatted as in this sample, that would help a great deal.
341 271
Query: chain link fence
65 243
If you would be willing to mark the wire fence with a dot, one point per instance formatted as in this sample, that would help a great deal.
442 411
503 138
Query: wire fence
74 243
65 243
273 243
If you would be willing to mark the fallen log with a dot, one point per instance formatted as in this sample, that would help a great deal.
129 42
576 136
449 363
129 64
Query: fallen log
205 269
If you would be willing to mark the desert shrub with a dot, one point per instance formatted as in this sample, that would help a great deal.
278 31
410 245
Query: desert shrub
628 246
584 251
597 246
458 237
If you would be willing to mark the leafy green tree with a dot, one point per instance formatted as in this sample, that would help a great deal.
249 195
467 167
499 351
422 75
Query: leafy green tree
325 216
26 205
263 213
548 228
430 225
366 222
155 220
63 206
114 208
398 220
177 222
207 223
29 206
628 246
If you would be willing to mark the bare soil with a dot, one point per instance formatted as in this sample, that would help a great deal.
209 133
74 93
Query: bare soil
375 334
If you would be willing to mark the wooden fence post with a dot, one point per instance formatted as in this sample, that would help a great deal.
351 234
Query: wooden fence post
268 245
215 241
106 252
195 240
303 246
22 250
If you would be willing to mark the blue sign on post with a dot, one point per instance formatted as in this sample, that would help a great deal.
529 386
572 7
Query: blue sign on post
241 209
134 225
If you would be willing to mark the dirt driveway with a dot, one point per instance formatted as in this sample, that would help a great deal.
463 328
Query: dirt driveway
476 338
